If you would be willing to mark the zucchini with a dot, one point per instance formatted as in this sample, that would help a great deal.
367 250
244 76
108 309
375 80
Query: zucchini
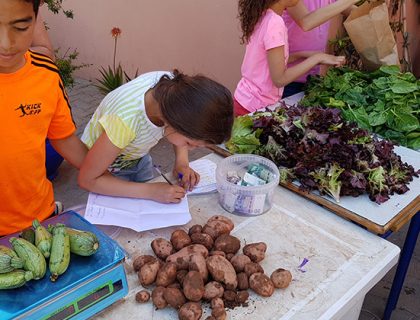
9 260
82 243
33 259
14 279
60 251
28 234
43 238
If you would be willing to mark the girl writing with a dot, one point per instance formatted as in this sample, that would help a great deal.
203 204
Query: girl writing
190 111
264 72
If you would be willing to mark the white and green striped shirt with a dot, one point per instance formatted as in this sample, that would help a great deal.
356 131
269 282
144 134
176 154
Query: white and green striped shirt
122 115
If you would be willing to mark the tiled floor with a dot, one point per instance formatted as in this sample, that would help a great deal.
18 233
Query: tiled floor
85 98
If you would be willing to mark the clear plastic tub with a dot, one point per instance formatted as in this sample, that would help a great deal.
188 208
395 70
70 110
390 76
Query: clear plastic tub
245 200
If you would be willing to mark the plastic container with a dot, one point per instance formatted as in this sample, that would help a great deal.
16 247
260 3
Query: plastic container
245 200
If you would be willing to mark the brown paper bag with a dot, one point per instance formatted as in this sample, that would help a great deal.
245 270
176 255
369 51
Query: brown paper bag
369 31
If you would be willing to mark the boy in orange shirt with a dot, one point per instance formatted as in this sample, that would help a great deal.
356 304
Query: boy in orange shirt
33 107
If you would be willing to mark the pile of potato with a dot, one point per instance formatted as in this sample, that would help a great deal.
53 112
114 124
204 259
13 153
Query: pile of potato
204 265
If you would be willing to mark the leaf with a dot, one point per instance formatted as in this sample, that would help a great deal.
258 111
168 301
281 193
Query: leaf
405 122
401 86
377 118
390 69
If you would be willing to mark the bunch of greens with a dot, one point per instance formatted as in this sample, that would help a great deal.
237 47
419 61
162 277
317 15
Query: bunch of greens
386 101
316 147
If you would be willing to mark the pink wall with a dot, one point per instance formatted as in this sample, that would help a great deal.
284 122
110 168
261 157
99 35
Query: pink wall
196 36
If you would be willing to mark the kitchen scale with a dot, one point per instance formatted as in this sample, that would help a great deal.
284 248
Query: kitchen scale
89 285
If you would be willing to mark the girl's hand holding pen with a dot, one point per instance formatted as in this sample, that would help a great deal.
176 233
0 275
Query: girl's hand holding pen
187 177
166 193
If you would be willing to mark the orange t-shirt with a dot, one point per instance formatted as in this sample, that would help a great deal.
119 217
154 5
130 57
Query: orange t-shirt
33 106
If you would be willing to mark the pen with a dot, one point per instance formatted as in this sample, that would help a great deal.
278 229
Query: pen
164 177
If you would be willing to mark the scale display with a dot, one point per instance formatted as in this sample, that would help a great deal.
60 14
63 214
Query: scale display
87 301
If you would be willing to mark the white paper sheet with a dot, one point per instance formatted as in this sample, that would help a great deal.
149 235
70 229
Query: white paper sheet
136 214
207 170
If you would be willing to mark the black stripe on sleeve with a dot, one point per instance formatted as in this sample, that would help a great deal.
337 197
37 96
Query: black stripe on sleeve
46 66
41 60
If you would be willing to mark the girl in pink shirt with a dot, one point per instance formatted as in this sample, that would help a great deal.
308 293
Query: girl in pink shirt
308 27
264 72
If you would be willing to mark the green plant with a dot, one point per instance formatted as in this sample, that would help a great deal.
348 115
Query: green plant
55 6
112 78
66 66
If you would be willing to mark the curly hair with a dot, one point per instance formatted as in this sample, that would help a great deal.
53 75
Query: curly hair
250 12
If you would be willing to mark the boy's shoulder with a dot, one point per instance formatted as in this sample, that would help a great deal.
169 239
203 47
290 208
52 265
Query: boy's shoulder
42 62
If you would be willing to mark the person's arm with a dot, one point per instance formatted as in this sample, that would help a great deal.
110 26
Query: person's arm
281 76
301 55
94 177
190 178
41 42
71 149
309 20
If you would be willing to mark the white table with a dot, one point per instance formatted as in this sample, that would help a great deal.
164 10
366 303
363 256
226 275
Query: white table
345 261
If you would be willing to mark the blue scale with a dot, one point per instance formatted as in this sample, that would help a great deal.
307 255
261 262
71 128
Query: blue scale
89 285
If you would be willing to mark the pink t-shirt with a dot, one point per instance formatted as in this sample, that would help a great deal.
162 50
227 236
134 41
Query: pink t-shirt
314 40
256 90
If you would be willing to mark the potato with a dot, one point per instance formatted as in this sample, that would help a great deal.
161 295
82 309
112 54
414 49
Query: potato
182 257
261 284
147 274
174 297
222 271
166 275
140 261
229 295
142 296
158 298
281 278
255 251
180 275
219 313
243 283
195 229
213 290
253 267
229 256
242 296
227 244
217 303
238 262
218 225
193 286
210 231
217 253
162 248
190 311
180 239
219 218
175 285
202 238
198 263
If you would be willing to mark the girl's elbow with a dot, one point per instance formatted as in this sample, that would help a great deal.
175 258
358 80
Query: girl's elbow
279 83
83 182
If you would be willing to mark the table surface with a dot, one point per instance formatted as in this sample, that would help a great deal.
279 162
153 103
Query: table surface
345 261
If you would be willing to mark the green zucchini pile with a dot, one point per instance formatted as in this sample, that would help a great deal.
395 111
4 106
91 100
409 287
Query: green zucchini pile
26 260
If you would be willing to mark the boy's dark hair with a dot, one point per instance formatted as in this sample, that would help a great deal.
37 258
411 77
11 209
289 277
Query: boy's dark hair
196 106
250 12
35 4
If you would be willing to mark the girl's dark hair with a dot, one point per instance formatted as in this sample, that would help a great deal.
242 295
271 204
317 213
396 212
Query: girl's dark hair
250 12
196 106
35 4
